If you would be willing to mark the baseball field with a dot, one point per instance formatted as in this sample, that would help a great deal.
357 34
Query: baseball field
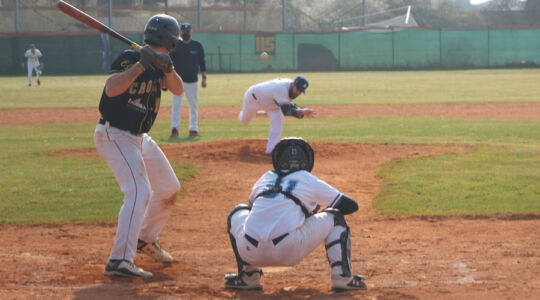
445 166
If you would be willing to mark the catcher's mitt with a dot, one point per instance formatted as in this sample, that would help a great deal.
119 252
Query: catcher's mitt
292 109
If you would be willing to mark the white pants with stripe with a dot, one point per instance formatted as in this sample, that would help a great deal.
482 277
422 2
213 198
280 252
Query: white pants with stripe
250 107
191 89
33 66
148 182
294 247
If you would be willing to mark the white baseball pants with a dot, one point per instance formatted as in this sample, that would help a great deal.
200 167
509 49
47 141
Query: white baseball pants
294 247
32 66
148 182
191 89
250 107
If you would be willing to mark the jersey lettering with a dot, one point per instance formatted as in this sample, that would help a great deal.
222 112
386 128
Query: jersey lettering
145 88
133 88
142 88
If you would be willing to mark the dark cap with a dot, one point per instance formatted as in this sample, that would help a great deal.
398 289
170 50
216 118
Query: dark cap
301 84
32 46
185 27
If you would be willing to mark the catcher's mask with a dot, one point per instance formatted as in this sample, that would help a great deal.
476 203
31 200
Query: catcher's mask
162 30
292 154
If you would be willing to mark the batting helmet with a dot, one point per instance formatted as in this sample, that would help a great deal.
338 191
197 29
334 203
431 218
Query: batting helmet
292 154
162 30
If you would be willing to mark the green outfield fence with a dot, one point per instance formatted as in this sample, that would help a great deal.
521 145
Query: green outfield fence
374 49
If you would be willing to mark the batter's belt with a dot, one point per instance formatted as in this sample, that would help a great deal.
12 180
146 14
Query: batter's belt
102 121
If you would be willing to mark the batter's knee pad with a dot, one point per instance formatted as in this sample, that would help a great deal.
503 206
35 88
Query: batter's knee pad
344 241
239 261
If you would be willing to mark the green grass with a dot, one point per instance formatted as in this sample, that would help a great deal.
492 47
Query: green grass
37 188
489 181
501 177
476 86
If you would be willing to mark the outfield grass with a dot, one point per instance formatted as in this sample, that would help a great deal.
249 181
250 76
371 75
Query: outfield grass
501 177
476 86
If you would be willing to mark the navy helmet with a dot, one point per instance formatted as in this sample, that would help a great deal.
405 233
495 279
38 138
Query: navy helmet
162 30
301 84
185 27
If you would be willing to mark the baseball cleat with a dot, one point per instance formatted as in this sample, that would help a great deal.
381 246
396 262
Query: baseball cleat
174 132
341 283
155 251
38 83
194 133
125 268
244 281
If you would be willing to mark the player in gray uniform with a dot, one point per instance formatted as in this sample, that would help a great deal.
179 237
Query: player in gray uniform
280 225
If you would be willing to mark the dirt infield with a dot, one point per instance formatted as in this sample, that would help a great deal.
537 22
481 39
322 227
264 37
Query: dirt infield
14 117
402 258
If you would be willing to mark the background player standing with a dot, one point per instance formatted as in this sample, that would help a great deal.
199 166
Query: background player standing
279 226
129 106
187 58
275 98
32 56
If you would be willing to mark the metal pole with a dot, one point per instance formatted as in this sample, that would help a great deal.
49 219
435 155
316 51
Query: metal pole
393 50
110 13
364 12
339 49
245 16
440 48
488 47
106 41
199 14
284 14
16 16
240 51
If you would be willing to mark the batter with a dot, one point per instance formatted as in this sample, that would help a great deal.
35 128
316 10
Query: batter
129 106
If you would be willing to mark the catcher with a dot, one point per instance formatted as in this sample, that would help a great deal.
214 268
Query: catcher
275 98
280 226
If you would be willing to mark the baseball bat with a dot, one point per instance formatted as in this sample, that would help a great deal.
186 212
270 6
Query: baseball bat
83 17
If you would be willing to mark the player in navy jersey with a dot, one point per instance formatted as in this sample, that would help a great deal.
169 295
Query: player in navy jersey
188 59
129 106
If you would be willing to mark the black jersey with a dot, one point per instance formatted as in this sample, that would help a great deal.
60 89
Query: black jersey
187 59
136 109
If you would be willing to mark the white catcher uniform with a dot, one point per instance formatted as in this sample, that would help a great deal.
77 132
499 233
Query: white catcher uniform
267 96
32 63
280 225
275 231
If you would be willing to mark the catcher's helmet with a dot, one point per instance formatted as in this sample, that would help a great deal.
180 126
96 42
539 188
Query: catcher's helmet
292 154
162 30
